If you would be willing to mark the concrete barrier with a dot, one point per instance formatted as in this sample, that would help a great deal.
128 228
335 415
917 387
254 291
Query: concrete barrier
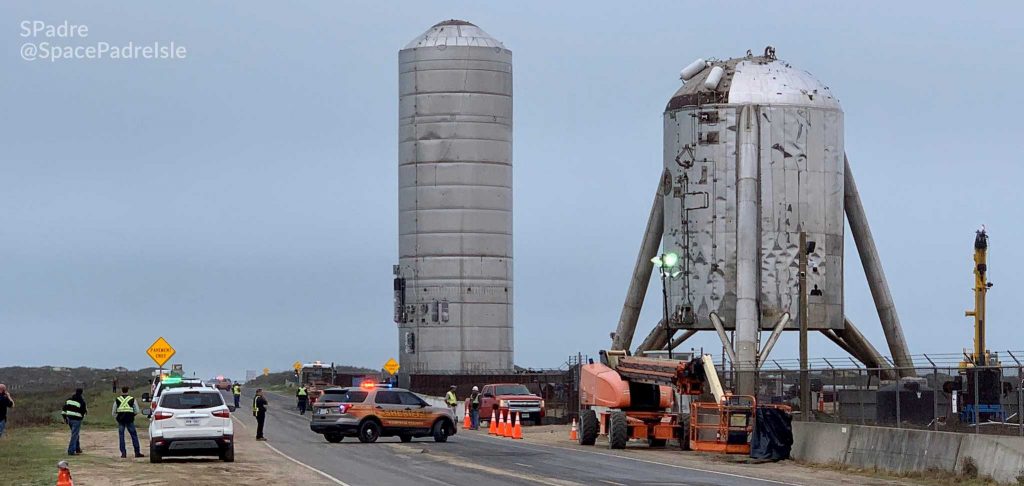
1001 458
820 443
902 450
908 451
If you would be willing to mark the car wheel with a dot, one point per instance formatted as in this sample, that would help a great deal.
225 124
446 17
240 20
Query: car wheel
405 438
369 432
441 431
154 455
618 430
228 454
334 438
588 427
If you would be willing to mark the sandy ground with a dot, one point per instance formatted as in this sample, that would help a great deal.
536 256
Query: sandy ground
255 463
784 471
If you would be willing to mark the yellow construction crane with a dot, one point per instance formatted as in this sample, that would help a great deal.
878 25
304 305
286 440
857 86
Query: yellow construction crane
980 356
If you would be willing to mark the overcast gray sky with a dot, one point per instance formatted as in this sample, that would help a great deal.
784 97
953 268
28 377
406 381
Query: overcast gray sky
242 202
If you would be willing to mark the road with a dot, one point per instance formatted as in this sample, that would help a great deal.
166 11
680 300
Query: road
467 458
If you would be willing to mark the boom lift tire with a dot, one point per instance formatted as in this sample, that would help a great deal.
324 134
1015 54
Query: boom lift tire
618 430
588 427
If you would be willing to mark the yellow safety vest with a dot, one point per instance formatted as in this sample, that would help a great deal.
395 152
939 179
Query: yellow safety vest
124 404
76 404
237 390
302 391
450 399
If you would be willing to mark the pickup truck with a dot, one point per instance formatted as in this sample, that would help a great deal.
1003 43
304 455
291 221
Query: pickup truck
513 397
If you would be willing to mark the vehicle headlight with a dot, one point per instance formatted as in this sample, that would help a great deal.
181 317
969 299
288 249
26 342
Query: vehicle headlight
503 404
542 404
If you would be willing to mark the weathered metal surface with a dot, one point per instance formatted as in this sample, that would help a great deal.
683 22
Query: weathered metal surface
798 158
455 201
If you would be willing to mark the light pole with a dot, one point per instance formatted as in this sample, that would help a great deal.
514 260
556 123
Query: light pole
667 266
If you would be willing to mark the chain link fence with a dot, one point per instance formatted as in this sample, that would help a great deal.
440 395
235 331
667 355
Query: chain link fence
938 393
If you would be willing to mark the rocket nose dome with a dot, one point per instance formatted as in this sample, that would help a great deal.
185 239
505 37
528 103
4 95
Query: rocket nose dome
454 33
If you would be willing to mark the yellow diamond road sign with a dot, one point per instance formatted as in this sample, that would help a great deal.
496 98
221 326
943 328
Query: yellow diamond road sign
297 365
161 352
391 366
266 371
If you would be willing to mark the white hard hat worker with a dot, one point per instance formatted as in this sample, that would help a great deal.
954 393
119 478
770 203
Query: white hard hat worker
475 388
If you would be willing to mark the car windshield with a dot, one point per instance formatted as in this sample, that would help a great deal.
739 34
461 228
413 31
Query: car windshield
191 399
511 390
344 396
179 384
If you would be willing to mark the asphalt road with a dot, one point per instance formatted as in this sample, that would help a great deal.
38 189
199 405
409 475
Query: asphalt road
466 459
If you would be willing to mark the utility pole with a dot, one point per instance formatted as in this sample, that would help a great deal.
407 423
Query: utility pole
805 382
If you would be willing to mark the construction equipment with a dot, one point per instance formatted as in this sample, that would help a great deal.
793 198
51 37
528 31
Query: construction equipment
629 397
316 376
979 385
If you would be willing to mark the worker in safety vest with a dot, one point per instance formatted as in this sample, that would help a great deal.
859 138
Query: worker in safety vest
124 411
236 392
259 410
474 407
302 395
451 401
74 411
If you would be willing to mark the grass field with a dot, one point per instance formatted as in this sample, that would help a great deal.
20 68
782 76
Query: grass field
36 438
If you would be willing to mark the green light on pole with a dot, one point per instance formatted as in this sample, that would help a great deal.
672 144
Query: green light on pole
670 259
657 262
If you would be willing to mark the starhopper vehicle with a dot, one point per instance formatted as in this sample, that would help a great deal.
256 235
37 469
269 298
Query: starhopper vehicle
371 411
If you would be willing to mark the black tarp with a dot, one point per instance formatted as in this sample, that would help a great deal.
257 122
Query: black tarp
773 435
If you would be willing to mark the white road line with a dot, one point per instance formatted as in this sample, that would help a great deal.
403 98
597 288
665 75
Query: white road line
311 468
307 466
521 464
612 482
647 461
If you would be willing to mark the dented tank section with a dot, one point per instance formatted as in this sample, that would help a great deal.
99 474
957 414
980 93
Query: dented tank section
797 152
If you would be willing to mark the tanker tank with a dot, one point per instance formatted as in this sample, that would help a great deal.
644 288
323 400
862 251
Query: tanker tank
453 281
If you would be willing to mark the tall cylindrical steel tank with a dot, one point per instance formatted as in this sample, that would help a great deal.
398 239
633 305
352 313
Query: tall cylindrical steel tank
754 157
453 282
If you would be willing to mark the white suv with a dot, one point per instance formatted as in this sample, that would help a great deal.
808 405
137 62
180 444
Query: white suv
191 421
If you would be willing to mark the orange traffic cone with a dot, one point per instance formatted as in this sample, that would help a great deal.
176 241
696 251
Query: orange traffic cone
508 425
572 431
467 424
501 424
821 402
64 474
517 431
492 429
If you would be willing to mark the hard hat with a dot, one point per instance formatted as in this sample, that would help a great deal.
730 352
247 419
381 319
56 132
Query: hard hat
475 388
453 387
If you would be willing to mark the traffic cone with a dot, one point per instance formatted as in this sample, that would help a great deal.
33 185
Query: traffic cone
508 425
467 424
501 424
821 402
64 474
492 429
517 431
572 431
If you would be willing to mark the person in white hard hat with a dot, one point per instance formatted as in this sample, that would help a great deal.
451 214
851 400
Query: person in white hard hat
474 408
